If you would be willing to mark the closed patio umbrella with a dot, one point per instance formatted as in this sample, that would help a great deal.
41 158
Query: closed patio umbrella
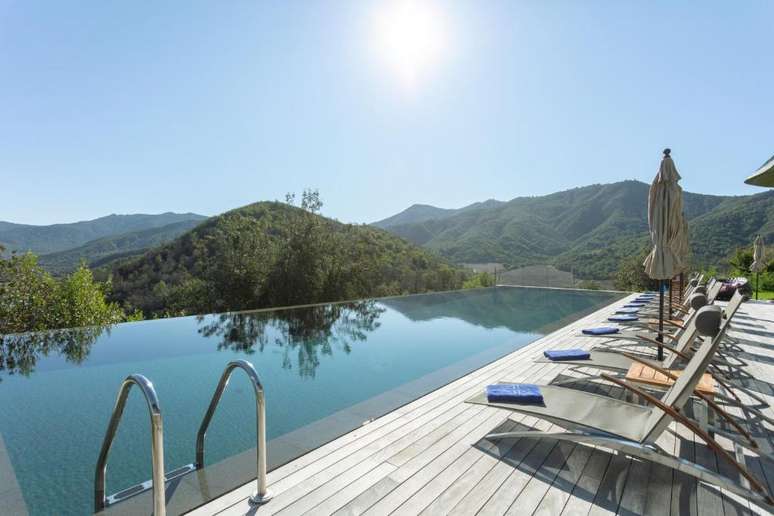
758 263
665 208
683 251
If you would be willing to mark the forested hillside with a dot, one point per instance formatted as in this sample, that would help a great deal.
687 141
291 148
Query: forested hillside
104 250
421 212
588 229
59 237
274 254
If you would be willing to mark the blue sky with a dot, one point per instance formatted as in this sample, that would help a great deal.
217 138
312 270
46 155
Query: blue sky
125 107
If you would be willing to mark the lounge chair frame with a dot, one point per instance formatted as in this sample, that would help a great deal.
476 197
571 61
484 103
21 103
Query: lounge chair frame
661 413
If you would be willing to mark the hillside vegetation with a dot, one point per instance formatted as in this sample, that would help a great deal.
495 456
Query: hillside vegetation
588 230
102 251
422 212
274 254
33 300
59 237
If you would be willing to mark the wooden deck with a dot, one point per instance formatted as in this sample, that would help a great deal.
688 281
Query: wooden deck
429 457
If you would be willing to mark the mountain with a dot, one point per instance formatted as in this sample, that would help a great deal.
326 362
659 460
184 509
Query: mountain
104 250
59 237
422 212
273 254
587 229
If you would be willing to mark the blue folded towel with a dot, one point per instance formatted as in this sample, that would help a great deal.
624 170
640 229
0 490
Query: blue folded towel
567 354
634 305
627 310
643 300
513 393
622 318
602 330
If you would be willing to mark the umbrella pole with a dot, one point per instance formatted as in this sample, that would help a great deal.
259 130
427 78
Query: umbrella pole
660 337
682 288
670 297
757 284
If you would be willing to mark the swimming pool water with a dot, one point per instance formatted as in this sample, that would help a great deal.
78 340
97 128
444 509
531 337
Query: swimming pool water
316 363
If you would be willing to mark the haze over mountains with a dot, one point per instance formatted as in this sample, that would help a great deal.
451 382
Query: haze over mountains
587 229
94 239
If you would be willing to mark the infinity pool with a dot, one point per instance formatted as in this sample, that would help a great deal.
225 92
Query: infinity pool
326 369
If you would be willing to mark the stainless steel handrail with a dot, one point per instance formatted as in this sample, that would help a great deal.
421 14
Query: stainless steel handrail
262 495
157 443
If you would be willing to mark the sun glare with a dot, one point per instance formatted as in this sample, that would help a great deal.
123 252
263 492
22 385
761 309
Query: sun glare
409 37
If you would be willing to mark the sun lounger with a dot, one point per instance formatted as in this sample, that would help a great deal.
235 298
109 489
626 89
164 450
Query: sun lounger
622 362
633 429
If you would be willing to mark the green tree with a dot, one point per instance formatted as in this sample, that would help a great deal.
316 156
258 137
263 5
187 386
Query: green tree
32 300
479 280
631 276
741 261
27 293
80 301
308 257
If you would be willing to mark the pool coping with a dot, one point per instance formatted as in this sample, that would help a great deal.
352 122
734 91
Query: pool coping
242 465
238 493
11 497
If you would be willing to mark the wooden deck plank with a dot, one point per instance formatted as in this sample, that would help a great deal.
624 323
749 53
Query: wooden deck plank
454 493
375 454
586 488
635 495
429 494
530 497
427 465
391 442
480 493
344 496
519 477
428 456
556 497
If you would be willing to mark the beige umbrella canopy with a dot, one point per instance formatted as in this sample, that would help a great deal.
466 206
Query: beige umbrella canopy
682 246
665 214
682 250
665 218
758 264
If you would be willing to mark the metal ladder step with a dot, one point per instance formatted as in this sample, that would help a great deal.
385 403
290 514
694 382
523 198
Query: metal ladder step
159 478
147 485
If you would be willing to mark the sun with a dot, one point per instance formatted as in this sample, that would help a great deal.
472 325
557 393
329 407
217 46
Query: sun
410 38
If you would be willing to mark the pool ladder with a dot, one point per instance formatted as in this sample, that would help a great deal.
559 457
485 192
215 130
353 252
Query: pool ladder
158 480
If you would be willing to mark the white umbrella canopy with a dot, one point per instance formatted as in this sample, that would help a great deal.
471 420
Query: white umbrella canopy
665 209
758 264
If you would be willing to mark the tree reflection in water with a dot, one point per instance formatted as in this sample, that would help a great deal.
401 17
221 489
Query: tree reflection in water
308 332
20 352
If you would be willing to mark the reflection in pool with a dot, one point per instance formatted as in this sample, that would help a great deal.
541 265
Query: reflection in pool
20 352
306 332
326 369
